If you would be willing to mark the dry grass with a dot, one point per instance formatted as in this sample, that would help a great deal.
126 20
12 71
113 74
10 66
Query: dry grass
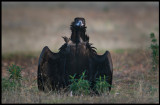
133 81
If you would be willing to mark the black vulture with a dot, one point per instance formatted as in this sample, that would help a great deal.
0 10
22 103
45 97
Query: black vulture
74 56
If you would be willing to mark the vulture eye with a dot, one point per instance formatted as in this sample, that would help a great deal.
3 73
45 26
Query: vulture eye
79 23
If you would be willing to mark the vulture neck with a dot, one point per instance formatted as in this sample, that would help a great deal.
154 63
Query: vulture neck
77 36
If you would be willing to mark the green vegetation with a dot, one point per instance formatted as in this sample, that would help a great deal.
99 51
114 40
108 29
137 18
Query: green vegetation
101 85
15 72
14 78
82 86
7 84
155 52
79 86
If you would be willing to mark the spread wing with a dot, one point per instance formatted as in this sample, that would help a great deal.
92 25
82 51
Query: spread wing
49 70
101 65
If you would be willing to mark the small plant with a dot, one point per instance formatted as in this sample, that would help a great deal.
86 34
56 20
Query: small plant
155 52
14 78
15 72
79 86
102 85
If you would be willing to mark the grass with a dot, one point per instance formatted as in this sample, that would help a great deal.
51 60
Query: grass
133 82
155 52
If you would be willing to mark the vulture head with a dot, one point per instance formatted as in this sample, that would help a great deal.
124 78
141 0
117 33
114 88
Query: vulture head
79 22
78 29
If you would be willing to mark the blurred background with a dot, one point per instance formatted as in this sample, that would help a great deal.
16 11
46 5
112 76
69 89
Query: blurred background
29 26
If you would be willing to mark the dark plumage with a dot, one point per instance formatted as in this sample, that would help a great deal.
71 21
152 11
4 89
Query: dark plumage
74 56
66 39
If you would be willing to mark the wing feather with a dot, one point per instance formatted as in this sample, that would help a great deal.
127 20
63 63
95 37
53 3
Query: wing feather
47 69
102 66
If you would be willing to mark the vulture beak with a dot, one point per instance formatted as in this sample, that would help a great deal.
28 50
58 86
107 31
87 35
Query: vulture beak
79 23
